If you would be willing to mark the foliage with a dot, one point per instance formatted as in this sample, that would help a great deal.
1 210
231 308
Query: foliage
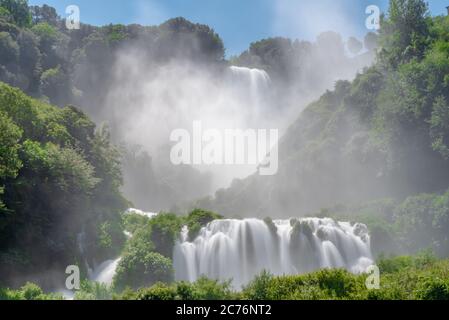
383 135
413 280
141 267
146 258
199 218
29 291
404 32
19 11
57 175
420 277
93 291
202 289
417 223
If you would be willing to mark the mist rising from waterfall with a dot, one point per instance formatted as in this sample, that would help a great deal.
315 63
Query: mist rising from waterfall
148 99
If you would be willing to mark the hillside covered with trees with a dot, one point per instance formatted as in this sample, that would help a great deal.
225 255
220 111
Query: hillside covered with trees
384 135
373 150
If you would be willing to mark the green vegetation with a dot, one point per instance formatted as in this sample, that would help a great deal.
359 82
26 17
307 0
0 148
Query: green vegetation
29 291
402 278
141 267
419 222
147 256
202 289
57 177
45 60
383 135
421 277
199 218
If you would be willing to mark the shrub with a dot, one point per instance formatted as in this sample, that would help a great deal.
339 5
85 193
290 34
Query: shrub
31 291
141 267
199 218
207 289
93 291
159 291
433 289
165 229
258 288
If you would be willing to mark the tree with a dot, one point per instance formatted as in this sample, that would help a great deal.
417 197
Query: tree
10 162
140 267
55 84
439 127
404 31
9 50
45 14
5 14
19 11
10 135
185 39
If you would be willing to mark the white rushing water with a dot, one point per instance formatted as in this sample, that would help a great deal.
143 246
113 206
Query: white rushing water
141 213
105 272
241 249
251 87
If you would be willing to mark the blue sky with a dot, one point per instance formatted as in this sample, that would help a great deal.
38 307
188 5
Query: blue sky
238 22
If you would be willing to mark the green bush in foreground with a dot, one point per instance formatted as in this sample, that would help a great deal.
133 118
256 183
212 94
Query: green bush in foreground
402 278
29 291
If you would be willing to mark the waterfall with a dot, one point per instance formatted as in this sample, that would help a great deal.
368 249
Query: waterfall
252 87
241 249
105 272
141 213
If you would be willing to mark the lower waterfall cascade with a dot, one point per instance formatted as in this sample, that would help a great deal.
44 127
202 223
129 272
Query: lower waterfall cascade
241 249
238 250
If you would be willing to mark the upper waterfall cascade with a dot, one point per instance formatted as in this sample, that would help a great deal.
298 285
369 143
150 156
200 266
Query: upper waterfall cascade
252 87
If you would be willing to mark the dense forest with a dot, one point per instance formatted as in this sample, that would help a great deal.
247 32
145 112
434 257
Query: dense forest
374 150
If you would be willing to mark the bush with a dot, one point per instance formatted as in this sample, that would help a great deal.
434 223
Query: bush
141 267
93 291
259 287
30 291
207 289
199 218
336 283
434 289
159 291
165 229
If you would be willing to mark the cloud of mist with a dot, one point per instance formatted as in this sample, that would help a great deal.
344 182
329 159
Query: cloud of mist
148 102
149 98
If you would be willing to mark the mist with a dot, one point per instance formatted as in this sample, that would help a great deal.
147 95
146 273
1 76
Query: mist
147 99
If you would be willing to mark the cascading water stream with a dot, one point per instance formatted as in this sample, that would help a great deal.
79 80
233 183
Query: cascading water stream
241 249
251 87
105 272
